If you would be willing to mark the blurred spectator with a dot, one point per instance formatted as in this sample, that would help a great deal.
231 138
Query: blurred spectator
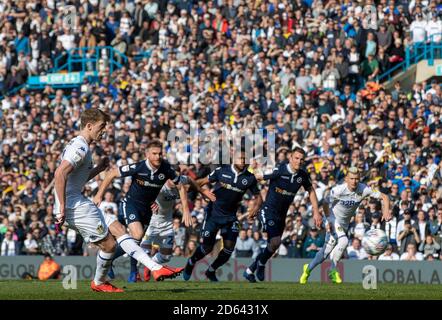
179 234
54 243
422 225
313 243
407 236
30 245
108 203
401 223
358 227
355 251
411 254
259 240
190 248
429 247
9 246
389 254
246 247
299 236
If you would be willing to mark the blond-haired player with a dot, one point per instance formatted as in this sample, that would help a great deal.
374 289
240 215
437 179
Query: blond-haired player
339 208
81 214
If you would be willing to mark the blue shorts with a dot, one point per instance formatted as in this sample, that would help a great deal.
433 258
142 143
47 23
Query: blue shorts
132 211
271 222
229 227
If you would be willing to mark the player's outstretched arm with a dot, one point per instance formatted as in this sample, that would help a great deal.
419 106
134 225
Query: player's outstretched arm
187 219
386 212
254 210
61 177
197 185
102 165
317 217
110 176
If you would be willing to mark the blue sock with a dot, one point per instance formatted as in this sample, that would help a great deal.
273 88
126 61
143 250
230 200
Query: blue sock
198 254
133 265
264 256
118 252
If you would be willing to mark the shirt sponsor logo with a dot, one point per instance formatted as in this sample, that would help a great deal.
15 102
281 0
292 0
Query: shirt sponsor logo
230 187
227 176
148 184
284 192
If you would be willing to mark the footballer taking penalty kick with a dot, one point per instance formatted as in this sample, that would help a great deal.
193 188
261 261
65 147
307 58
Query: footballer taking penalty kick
340 207
82 215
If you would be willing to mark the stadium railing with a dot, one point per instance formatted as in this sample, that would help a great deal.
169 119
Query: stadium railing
88 60
427 50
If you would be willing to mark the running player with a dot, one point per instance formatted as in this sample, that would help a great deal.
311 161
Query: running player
160 230
79 213
231 183
148 177
340 207
285 181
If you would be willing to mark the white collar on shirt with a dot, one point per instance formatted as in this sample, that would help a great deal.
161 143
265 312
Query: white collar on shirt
289 168
149 166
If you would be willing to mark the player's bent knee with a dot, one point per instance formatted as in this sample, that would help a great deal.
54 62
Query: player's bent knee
108 244
229 245
274 244
117 229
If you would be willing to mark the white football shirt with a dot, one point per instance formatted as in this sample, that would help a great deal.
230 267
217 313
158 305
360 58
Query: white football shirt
343 202
166 200
77 153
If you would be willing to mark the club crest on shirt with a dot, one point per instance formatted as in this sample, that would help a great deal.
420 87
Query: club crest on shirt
244 181
299 180
161 176
100 228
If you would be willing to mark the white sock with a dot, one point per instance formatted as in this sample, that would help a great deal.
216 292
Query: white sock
338 251
129 245
104 262
249 271
322 254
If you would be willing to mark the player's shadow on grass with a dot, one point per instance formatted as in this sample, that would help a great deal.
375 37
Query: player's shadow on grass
178 290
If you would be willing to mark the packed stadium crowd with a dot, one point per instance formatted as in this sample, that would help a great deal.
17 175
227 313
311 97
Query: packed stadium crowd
304 69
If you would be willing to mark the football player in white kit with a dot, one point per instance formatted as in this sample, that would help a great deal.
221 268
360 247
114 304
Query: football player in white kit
82 215
160 230
339 208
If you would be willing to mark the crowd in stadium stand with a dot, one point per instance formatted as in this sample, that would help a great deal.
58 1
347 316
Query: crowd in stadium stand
304 68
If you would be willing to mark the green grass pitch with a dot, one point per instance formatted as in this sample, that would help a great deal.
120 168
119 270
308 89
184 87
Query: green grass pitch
180 290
